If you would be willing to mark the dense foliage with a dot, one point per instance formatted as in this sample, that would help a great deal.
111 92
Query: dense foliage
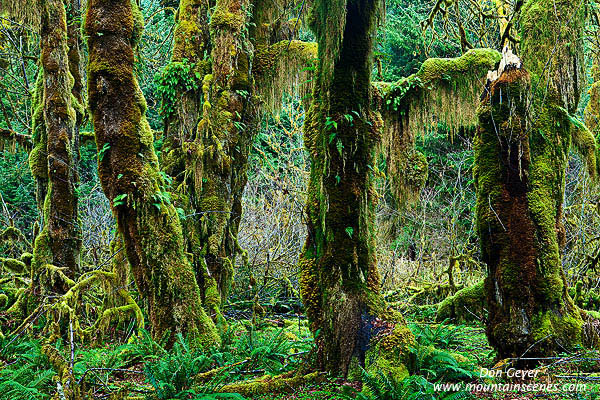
96 340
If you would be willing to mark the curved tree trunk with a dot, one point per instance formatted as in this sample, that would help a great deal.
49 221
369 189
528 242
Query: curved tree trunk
130 177
521 156
340 281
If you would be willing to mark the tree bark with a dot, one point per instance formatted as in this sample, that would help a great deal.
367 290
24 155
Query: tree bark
339 278
522 150
130 176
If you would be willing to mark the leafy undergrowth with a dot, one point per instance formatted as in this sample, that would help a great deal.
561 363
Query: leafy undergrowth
143 369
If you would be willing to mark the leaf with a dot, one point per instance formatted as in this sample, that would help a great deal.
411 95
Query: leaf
340 146
103 151
119 200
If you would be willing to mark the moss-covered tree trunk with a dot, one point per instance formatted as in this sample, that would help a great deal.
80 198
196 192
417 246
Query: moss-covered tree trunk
521 154
130 176
53 160
76 69
212 114
339 278
208 136
225 132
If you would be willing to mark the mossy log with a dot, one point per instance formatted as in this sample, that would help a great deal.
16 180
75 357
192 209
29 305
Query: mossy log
130 176
465 306
287 383
66 384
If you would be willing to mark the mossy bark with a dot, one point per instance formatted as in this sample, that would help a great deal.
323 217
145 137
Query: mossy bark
521 151
208 139
131 179
339 278
53 163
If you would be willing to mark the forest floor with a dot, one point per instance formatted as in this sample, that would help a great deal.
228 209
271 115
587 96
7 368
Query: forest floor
142 369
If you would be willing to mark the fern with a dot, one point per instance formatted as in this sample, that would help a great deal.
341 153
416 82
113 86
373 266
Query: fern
27 375
442 336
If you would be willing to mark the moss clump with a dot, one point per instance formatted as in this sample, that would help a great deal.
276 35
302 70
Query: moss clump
223 19
467 305
14 266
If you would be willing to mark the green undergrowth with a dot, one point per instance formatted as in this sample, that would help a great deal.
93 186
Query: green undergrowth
142 368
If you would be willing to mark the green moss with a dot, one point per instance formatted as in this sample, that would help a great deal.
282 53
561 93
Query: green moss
191 32
14 266
474 62
38 162
222 19
3 301
467 305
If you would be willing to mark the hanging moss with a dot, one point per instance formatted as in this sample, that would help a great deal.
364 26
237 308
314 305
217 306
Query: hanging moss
9 139
283 68
129 173
22 10
339 279
445 91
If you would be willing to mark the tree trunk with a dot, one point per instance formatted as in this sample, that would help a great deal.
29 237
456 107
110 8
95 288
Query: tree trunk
208 136
130 176
522 151
339 277
53 160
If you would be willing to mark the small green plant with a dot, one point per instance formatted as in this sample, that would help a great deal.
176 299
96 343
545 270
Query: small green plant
25 373
330 124
103 151
119 200
400 89
175 77
171 374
